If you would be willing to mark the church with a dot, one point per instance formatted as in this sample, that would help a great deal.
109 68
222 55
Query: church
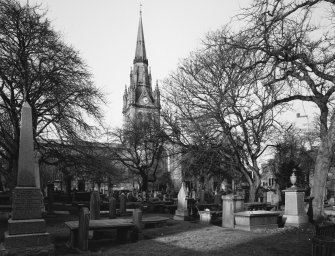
139 100
142 103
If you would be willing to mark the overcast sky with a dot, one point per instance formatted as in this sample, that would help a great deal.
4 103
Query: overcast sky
105 32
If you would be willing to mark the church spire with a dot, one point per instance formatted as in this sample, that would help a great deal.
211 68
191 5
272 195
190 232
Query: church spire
140 53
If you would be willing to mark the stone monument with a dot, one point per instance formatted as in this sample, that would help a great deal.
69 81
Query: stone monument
123 204
230 205
182 211
112 208
26 233
95 205
295 214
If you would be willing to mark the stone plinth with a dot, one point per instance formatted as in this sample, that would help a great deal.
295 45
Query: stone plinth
230 205
182 211
27 203
26 240
251 220
32 226
295 214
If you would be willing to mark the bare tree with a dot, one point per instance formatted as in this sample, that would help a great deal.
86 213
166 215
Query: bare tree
140 149
214 96
38 67
300 53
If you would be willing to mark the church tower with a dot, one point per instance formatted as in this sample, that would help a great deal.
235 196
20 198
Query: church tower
140 102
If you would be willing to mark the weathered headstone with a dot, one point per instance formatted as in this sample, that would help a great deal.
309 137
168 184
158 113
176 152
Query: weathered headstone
230 205
26 228
95 205
84 222
182 211
112 208
123 202
137 219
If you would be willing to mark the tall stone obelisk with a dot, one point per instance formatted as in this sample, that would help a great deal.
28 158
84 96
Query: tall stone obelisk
26 233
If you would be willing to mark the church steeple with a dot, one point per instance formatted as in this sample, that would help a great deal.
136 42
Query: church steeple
139 100
140 53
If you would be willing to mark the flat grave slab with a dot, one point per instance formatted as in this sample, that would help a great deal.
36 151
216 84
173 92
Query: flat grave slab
251 220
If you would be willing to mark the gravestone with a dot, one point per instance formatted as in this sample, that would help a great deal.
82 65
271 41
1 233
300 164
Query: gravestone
26 229
123 202
84 222
137 219
230 205
112 208
182 211
137 234
95 206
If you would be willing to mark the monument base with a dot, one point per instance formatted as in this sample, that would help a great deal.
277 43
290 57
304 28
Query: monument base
181 215
46 250
20 227
26 240
295 220
27 202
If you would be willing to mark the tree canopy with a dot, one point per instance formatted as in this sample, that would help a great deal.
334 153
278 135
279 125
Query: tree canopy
38 67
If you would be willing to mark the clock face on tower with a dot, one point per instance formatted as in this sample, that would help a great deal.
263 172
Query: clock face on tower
145 100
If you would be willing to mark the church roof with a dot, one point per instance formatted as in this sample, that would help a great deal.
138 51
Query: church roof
140 53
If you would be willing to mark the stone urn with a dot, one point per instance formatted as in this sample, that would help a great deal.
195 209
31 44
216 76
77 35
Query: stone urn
293 178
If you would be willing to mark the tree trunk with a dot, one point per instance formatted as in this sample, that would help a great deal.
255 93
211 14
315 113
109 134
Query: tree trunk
144 186
322 165
252 193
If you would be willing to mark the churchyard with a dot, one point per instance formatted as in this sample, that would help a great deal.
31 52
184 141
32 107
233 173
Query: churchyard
196 182
180 238
162 225
149 224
